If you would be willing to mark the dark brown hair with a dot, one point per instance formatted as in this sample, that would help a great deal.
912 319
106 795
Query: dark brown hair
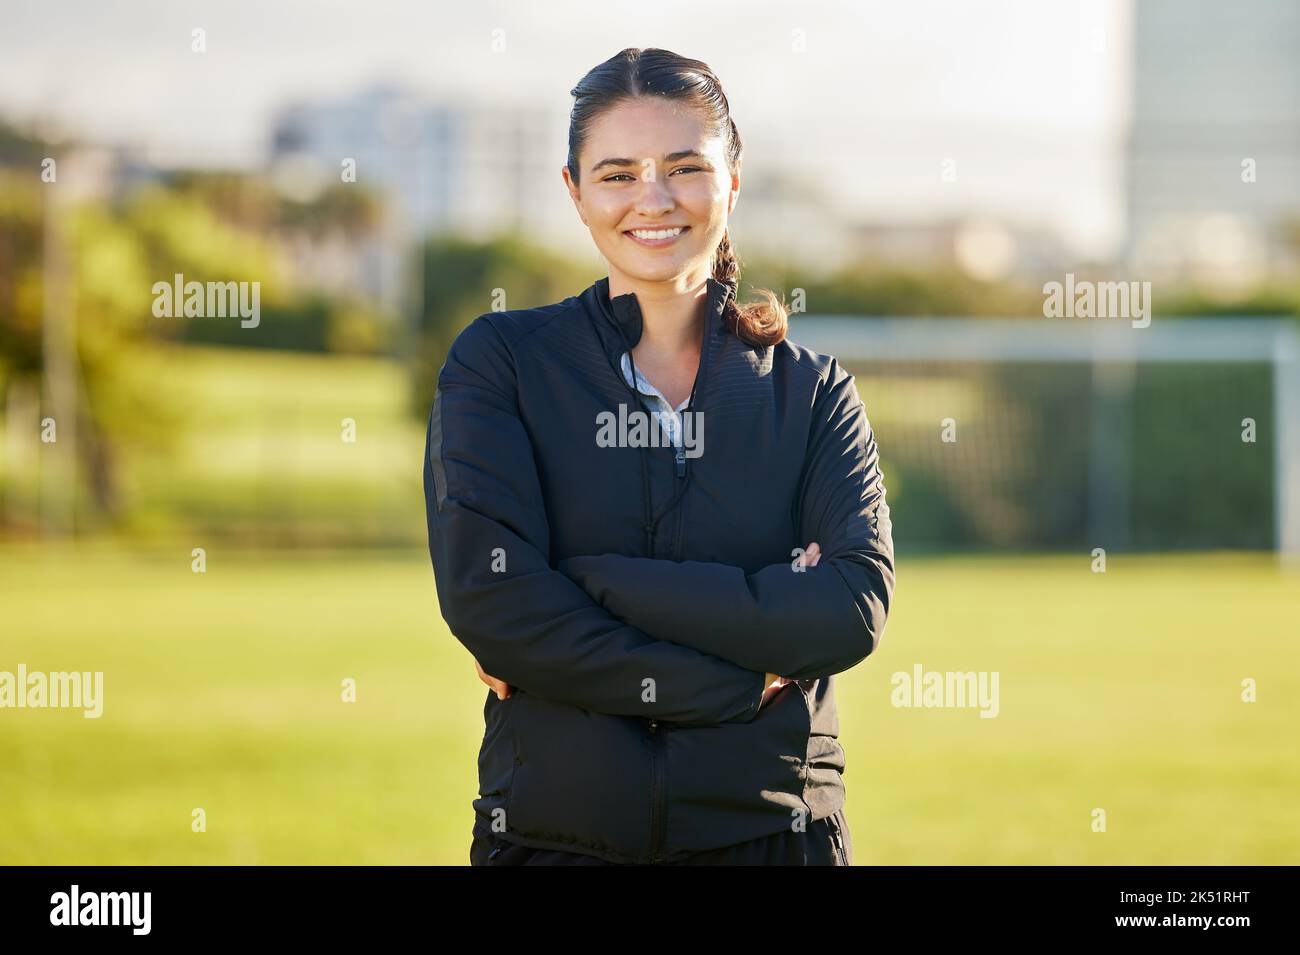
632 73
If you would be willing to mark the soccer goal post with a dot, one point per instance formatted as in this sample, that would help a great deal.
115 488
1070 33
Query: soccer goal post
1061 433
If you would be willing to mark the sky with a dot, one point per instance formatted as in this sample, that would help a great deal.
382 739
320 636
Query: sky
864 99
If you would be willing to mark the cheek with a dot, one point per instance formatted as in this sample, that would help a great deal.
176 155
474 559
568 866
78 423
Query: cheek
706 198
606 210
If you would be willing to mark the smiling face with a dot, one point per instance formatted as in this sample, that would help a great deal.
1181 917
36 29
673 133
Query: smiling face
655 191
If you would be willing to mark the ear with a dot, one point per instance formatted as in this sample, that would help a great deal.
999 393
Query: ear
574 193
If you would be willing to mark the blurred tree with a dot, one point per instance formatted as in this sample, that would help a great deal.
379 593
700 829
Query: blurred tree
205 226
249 201
237 208
110 303
870 288
461 279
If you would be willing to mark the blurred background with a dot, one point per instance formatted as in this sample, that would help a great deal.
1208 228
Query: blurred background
914 174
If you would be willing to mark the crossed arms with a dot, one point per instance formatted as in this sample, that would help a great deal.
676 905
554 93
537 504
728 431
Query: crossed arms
688 641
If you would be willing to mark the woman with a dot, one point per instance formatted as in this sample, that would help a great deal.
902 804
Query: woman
618 486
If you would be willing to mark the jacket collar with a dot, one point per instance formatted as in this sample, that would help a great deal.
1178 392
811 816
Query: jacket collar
623 312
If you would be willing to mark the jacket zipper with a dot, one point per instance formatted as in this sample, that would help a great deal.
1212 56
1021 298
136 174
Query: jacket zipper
839 843
680 457
681 504
658 754
657 802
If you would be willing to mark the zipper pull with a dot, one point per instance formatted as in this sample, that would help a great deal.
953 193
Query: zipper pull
654 725
681 462
840 844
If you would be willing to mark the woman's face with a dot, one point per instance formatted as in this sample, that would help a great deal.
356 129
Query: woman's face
651 165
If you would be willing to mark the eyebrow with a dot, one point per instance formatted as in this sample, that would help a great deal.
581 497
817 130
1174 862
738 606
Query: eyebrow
671 157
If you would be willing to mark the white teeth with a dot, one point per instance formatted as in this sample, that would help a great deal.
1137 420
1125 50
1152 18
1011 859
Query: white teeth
656 234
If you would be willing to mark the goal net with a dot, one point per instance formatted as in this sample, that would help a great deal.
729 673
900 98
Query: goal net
1076 434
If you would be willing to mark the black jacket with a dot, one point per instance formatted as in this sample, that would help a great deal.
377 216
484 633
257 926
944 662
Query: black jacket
634 597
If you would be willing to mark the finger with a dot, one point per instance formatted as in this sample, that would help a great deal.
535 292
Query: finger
500 687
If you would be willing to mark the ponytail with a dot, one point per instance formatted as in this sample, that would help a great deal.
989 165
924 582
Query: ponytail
757 323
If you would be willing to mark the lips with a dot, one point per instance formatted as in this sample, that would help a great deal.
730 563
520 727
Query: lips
656 236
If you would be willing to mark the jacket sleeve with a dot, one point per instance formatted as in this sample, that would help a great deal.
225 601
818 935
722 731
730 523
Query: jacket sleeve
800 624
525 622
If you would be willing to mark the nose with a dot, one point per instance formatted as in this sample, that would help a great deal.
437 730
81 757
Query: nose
654 198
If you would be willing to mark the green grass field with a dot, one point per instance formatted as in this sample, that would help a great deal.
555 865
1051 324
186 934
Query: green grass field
1118 691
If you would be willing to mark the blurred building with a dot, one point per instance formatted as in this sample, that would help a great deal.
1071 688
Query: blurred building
1213 164
783 218
478 170
985 247
469 168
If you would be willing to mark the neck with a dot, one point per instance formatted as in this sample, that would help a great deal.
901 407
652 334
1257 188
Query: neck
672 312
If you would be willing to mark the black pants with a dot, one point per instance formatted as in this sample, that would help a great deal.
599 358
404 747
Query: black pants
824 842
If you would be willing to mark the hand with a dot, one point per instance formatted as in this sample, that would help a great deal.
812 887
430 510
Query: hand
811 554
773 684
500 687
